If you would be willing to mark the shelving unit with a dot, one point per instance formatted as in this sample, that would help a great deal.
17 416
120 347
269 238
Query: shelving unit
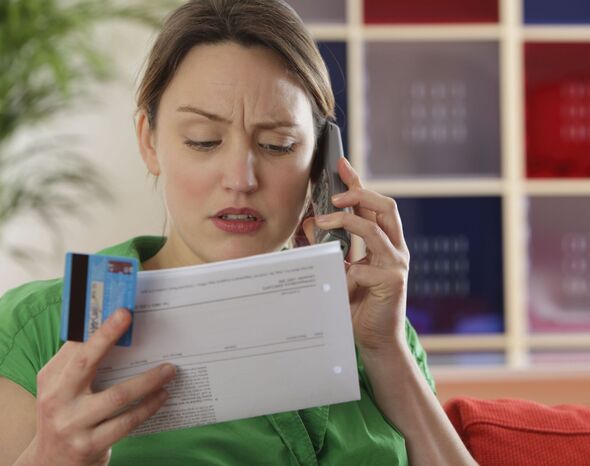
511 184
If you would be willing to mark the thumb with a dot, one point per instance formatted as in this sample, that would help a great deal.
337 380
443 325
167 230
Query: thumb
308 229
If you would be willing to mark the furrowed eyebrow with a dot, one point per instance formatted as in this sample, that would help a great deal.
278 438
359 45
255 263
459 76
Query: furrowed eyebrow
277 124
198 111
213 117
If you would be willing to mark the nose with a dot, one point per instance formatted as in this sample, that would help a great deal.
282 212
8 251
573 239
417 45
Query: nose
239 171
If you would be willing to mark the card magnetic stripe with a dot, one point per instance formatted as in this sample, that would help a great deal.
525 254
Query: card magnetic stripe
75 297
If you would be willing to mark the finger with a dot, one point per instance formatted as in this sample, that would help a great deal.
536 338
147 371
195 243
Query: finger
81 368
105 404
111 431
351 179
351 285
348 175
374 237
387 214
308 228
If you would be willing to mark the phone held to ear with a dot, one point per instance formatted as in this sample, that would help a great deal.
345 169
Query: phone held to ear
326 183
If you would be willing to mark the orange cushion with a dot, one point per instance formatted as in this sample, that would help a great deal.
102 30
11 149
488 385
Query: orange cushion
518 432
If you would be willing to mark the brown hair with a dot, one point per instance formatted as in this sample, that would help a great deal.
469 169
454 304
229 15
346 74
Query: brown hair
269 23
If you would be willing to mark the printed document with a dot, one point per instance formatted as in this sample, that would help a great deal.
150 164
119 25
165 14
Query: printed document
252 336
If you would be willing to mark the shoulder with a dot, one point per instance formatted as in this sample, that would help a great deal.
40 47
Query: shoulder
19 305
29 330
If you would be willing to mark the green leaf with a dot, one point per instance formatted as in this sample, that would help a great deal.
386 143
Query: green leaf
48 58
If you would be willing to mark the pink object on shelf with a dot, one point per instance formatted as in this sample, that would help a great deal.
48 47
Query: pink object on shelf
431 11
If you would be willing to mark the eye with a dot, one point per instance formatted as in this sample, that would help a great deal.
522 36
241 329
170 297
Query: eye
278 149
201 145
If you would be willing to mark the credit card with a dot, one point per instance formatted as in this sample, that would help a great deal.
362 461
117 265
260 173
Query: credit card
95 286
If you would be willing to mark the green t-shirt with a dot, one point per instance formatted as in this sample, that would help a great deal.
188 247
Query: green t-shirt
342 434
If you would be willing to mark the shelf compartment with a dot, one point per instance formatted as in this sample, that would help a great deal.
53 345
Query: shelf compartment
334 55
455 283
430 11
559 357
433 109
559 264
552 12
557 82
324 11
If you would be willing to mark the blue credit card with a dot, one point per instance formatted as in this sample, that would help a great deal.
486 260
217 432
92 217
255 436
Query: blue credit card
95 286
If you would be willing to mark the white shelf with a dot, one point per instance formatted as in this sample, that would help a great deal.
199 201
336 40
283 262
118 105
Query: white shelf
499 373
512 185
556 33
439 187
572 187
563 341
432 32
499 342
455 343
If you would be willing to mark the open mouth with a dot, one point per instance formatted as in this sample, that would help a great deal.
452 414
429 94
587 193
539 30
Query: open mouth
239 217
237 220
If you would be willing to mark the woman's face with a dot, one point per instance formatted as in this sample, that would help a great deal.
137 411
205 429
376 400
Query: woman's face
232 145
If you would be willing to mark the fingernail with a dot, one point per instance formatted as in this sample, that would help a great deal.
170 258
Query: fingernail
163 396
321 219
347 162
337 197
168 371
119 316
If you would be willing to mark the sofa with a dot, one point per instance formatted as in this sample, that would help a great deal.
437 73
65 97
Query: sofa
515 432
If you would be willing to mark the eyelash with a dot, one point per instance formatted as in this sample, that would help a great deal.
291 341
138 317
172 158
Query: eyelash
280 149
203 146
210 145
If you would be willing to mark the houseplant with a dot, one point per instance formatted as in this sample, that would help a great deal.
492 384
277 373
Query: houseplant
48 58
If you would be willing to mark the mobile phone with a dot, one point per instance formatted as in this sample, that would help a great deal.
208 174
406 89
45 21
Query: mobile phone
326 182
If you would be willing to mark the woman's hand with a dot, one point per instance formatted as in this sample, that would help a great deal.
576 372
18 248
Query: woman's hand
377 291
377 282
76 426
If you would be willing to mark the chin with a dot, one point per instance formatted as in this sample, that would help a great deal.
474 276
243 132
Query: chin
237 251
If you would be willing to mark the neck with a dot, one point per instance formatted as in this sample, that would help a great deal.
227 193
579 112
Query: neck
174 253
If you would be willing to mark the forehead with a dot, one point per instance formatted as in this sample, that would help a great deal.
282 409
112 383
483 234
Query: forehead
221 74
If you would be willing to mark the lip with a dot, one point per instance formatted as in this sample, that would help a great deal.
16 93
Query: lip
238 226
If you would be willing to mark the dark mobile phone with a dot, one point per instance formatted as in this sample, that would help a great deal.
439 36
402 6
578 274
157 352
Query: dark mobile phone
326 182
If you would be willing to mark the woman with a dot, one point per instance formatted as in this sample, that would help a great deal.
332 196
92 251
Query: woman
229 111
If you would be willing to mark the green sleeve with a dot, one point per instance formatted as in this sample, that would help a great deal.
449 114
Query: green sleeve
419 354
29 331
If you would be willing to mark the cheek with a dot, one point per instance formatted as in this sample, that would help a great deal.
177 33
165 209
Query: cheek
291 189
186 183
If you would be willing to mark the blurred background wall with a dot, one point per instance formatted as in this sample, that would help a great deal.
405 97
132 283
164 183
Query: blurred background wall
99 126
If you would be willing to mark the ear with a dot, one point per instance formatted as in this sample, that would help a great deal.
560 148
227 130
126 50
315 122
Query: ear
145 139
